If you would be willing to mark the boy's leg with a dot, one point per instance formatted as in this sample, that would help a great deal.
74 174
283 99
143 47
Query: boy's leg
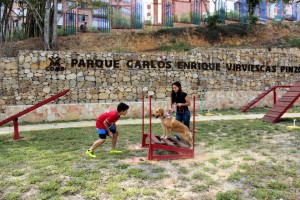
97 144
114 140
102 136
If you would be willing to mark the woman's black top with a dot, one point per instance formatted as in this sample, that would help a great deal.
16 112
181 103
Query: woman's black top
180 98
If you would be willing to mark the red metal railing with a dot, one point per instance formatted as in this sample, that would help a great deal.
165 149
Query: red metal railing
262 95
15 117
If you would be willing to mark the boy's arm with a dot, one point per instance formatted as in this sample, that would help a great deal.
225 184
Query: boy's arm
107 129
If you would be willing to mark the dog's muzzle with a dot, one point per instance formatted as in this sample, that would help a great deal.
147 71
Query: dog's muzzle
155 116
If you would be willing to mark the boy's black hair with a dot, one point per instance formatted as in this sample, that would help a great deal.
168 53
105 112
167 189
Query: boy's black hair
122 107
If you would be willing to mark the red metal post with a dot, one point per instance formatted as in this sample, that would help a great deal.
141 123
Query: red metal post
150 154
274 95
16 129
144 136
194 124
143 114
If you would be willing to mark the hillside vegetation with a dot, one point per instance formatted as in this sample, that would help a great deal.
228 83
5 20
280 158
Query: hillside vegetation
153 39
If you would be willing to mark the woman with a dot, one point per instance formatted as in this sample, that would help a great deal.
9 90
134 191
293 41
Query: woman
181 101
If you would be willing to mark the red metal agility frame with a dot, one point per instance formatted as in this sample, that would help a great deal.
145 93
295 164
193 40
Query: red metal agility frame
15 117
262 95
156 143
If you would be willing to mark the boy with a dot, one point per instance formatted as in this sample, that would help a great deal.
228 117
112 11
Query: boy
106 125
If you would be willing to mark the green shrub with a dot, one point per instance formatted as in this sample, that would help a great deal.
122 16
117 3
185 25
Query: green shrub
232 15
252 19
294 42
185 18
181 46
120 21
18 34
239 29
172 31
60 32
175 18
212 21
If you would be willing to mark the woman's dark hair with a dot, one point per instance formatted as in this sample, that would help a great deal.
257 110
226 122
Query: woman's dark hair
173 94
122 107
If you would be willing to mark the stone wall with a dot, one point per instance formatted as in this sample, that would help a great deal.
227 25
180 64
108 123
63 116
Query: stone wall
222 78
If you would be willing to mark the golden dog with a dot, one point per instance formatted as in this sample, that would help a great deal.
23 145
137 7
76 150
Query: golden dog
170 124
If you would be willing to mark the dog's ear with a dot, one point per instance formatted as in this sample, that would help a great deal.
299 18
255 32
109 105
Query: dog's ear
161 111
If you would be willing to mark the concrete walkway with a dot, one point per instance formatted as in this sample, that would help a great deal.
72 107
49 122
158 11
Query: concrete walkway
22 128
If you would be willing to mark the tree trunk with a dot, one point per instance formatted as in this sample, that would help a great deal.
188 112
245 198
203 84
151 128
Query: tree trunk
205 6
54 27
47 25
35 13
5 20
215 6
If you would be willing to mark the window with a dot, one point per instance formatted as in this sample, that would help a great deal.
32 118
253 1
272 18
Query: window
82 18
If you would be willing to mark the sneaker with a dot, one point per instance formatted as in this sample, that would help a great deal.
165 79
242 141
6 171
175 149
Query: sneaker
114 151
90 153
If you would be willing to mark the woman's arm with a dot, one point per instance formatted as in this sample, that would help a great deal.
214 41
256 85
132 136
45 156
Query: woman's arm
187 101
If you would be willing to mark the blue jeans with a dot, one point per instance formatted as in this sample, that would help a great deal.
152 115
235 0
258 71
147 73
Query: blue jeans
184 117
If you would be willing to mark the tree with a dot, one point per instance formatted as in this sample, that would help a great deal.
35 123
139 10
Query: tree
40 20
252 4
54 45
47 25
8 5
205 6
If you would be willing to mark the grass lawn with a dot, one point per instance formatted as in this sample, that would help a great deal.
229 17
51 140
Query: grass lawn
246 159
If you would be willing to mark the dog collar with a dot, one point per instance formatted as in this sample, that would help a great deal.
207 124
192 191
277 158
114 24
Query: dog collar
168 116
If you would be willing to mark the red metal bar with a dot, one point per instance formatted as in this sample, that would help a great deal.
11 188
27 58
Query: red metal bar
143 108
33 107
171 148
274 96
194 124
144 136
171 157
16 129
150 154
16 116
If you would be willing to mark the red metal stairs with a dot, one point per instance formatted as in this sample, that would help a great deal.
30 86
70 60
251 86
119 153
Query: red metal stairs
284 103
259 97
172 147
